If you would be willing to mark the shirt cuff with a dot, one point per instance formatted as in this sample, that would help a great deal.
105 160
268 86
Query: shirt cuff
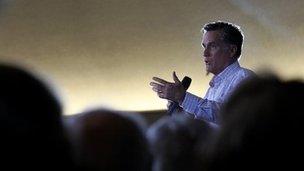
185 100
190 101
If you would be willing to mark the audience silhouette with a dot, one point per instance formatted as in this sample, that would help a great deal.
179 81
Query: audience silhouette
32 134
110 140
174 142
261 128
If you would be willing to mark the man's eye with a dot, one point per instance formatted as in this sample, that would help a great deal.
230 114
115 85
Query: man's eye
212 46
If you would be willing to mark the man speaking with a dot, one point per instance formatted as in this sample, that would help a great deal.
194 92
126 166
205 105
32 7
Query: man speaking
222 43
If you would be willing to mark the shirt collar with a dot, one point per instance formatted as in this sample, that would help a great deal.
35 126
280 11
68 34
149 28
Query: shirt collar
230 69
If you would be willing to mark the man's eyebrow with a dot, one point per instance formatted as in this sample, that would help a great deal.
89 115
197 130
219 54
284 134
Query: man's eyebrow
212 43
209 43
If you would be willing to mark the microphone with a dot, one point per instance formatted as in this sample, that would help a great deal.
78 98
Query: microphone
173 105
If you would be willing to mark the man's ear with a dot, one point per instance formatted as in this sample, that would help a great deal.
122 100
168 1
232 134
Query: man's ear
233 50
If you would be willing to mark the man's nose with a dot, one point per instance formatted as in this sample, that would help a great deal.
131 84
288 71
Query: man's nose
206 53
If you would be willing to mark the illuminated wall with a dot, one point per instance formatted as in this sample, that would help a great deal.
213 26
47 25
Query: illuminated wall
106 52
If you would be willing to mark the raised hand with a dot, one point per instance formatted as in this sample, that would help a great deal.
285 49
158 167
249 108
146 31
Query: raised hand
168 90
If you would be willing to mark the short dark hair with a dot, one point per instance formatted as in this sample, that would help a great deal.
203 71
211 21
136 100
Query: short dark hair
231 33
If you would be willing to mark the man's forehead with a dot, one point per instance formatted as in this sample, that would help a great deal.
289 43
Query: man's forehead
212 36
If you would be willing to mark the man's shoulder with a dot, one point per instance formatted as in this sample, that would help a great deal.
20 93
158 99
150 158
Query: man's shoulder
234 74
244 72
234 80
239 75
235 70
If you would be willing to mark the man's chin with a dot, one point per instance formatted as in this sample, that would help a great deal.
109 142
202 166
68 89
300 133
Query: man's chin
207 71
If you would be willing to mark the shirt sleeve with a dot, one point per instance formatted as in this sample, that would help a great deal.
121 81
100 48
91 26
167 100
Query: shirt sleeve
201 108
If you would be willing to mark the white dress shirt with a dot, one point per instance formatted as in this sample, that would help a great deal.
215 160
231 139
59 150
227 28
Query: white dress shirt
221 87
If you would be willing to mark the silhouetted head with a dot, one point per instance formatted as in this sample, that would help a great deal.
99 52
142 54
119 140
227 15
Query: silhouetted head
30 121
109 140
174 142
261 127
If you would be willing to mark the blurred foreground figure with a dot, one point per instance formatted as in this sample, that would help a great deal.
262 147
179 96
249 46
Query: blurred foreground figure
109 141
32 135
261 128
174 142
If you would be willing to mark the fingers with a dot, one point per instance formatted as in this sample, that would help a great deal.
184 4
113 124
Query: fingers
161 95
165 89
175 78
156 87
159 89
162 81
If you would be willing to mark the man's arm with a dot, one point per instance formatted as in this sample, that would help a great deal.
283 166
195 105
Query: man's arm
201 108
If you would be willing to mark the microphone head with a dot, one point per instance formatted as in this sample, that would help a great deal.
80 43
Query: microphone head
186 82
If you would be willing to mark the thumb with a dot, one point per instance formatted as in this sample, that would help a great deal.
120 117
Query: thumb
175 78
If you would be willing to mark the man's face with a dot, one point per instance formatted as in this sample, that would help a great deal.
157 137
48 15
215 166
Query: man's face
217 54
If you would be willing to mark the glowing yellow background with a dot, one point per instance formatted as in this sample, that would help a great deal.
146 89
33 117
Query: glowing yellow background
105 52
